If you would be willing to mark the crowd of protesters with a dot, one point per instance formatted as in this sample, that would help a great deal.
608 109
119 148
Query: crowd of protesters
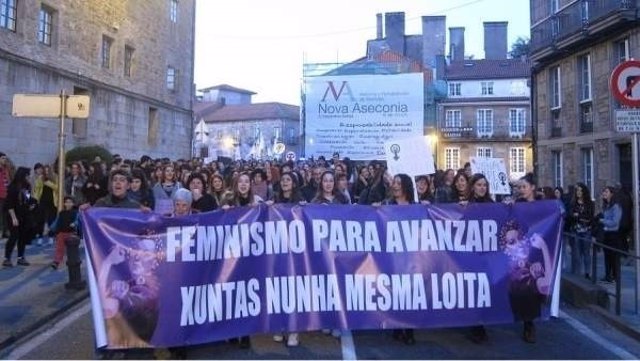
29 203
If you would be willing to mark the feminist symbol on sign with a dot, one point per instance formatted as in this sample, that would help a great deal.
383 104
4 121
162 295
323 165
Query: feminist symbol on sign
395 149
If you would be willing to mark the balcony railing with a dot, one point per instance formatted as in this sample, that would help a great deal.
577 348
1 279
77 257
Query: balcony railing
586 127
493 133
556 132
579 16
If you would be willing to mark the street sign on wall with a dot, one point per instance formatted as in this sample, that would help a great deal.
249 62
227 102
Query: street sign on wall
628 120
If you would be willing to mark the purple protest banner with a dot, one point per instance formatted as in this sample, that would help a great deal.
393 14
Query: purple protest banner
159 281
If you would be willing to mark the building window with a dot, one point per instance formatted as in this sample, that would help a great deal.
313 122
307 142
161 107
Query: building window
487 87
45 25
291 136
586 117
455 89
276 134
584 73
584 8
107 42
554 82
516 162
453 119
621 49
128 60
452 158
556 125
8 14
556 159
517 121
587 168
153 127
171 78
484 152
173 11
553 6
484 122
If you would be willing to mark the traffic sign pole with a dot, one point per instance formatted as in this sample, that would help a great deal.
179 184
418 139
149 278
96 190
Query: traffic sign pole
61 160
636 214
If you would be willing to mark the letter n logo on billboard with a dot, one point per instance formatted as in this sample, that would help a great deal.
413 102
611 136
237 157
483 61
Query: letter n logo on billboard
344 89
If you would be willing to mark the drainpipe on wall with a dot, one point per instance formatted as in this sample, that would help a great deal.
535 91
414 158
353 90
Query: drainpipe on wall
534 121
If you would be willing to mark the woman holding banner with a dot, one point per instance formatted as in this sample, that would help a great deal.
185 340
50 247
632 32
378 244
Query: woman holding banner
402 194
479 193
288 193
530 264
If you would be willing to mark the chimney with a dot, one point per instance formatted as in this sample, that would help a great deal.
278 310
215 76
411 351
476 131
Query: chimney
434 38
379 34
394 31
495 40
456 44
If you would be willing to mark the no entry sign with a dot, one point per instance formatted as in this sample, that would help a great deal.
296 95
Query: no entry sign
625 83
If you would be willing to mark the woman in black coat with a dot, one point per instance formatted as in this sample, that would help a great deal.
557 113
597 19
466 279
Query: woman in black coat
19 207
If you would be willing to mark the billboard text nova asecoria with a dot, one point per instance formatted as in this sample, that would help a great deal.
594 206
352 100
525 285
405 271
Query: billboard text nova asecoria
355 115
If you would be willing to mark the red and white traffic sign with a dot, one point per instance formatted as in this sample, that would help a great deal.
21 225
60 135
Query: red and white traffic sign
625 83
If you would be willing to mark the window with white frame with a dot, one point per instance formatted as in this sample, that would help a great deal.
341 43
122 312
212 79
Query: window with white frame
171 78
556 160
621 49
452 158
484 122
173 11
555 87
8 13
484 152
486 87
587 168
453 118
517 121
45 25
455 89
584 73
292 137
516 162
585 12
554 6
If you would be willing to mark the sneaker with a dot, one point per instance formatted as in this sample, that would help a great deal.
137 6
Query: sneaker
336 333
7 263
23 262
54 265
278 338
292 340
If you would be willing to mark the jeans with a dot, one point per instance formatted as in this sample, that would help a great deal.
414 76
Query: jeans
580 253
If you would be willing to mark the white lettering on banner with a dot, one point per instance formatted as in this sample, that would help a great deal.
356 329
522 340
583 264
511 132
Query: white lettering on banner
296 294
382 292
442 235
345 236
220 301
448 290
207 243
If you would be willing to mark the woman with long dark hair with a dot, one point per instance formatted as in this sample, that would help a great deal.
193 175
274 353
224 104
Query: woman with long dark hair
20 205
202 200
580 215
97 184
139 190
460 188
328 192
610 219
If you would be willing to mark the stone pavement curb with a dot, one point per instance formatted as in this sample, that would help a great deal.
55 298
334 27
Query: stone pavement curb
615 321
13 339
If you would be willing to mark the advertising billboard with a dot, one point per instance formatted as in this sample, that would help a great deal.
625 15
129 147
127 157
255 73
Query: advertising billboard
354 115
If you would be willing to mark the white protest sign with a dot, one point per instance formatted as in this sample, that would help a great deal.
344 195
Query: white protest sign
411 156
495 171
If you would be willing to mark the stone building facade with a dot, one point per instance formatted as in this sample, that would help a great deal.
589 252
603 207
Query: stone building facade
135 59
236 128
575 45
487 109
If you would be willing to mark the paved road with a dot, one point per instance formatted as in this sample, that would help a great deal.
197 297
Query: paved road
577 334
